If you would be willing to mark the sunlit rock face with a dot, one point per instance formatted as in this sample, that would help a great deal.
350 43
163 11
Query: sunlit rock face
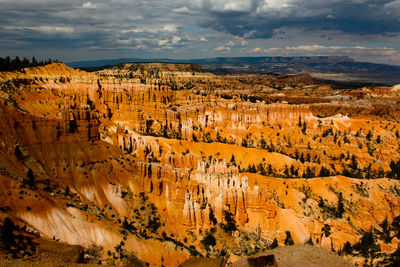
161 155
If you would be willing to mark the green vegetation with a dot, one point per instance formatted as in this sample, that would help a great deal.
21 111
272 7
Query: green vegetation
347 248
208 240
274 244
19 245
8 64
367 245
230 224
288 240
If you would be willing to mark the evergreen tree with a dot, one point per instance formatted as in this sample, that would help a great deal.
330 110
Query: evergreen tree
347 249
17 152
244 142
286 172
321 202
289 241
274 244
386 231
395 169
324 172
327 230
369 135
302 158
208 240
354 164
230 222
31 177
263 143
303 130
8 64
340 206
233 161
7 236
309 173
367 244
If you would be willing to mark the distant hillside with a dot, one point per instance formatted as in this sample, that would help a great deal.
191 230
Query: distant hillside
152 70
160 66
213 61
325 67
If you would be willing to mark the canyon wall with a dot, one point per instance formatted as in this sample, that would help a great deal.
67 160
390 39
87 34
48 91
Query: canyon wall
159 159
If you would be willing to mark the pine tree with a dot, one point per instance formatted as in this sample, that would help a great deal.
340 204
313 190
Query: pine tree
17 152
367 244
233 161
289 241
31 177
303 130
7 236
347 249
324 172
263 143
340 207
386 231
369 135
274 244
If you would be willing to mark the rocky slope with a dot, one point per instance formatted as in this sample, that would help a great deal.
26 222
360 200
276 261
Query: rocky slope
161 161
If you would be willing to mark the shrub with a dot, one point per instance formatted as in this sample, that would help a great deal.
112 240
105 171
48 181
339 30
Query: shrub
327 230
94 252
230 222
153 224
208 240
131 259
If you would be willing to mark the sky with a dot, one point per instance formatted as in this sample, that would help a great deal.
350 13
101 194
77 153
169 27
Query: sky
77 30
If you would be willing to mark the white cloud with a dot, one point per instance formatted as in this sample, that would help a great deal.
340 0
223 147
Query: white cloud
230 43
176 39
203 39
123 42
222 48
170 28
183 9
44 29
232 5
89 5
277 8
236 42
392 8
140 47
162 42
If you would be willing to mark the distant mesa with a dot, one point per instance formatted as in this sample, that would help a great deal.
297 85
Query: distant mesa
337 68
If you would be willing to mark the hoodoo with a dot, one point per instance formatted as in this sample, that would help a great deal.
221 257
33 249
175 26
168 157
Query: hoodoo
158 162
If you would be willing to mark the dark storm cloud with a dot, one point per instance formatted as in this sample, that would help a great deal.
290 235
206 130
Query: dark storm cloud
102 24
261 18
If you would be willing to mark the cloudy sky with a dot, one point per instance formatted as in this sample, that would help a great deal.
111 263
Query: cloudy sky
73 30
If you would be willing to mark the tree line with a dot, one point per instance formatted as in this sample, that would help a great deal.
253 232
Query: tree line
9 64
